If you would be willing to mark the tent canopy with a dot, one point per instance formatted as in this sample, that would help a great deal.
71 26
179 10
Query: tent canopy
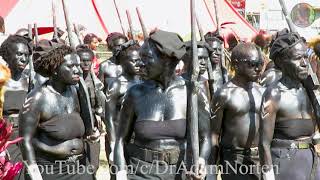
100 16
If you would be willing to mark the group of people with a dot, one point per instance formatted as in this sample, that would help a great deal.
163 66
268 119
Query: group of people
258 122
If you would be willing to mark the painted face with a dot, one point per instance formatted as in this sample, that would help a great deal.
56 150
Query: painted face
296 63
152 64
251 67
131 64
18 56
85 61
117 42
69 71
94 44
215 56
203 56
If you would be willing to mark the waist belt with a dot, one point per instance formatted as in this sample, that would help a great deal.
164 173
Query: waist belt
299 144
169 156
68 159
245 151
292 144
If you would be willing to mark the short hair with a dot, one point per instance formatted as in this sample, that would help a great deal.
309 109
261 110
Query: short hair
84 48
12 39
188 55
114 36
89 38
239 52
49 62
213 36
122 53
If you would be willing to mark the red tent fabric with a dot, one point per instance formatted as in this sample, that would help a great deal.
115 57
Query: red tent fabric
6 6
230 20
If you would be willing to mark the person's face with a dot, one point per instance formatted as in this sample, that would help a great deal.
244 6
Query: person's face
131 64
18 56
152 64
295 64
203 56
215 56
69 71
85 61
94 44
250 69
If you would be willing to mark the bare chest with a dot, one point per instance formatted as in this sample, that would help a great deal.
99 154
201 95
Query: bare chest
161 105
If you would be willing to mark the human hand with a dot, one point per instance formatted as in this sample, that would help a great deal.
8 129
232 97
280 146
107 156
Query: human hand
122 175
200 171
34 172
269 175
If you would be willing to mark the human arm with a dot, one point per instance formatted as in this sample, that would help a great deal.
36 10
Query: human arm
28 122
204 134
126 121
268 112
112 95
218 104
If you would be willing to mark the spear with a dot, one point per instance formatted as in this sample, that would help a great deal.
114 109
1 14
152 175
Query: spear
193 87
219 77
311 84
84 98
285 13
130 24
31 76
30 34
119 17
36 36
54 21
76 30
144 29
72 41
209 66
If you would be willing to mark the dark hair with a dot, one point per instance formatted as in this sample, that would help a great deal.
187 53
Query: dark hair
114 36
48 63
84 48
123 52
213 36
12 39
188 56
89 38
239 52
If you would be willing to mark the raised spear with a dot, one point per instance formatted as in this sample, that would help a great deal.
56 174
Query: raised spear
84 98
285 13
54 21
30 34
193 90
209 66
119 17
31 76
76 30
144 29
36 35
312 82
217 71
72 41
130 24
